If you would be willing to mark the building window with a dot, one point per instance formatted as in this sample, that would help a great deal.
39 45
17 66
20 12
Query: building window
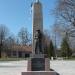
27 55
20 54
14 53
9 53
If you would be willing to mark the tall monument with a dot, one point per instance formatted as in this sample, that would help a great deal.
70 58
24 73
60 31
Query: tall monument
38 64
37 22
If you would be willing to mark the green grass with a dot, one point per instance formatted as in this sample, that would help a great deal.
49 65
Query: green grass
70 58
12 59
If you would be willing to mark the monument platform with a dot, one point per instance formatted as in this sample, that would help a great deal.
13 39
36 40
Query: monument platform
39 73
39 65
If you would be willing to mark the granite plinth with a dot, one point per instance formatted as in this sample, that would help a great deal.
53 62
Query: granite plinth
38 64
39 73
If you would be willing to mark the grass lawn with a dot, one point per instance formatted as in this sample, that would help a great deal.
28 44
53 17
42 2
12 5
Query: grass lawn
70 58
12 59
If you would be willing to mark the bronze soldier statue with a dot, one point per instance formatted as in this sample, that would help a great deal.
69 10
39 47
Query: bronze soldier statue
38 44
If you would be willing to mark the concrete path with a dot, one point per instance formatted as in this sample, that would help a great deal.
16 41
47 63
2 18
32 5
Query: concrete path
16 67
63 67
13 68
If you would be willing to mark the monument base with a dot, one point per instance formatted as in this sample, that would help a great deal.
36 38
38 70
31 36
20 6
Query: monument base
39 73
39 65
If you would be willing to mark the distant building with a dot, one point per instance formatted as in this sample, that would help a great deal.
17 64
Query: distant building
17 51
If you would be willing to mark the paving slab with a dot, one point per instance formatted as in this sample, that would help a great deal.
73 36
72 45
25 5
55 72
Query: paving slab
16 67
13 67
63 67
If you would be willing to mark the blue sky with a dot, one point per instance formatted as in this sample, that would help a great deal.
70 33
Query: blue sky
16 14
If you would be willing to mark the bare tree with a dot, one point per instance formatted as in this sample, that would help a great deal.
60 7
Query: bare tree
65 19
65 14
24 36
10 41
48 44
65 11
61 30
46 37
3 36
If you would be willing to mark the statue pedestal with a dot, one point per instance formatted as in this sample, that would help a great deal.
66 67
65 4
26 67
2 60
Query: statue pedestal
39 73
38 65
38 62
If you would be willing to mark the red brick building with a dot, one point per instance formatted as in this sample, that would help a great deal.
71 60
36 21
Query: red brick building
17 51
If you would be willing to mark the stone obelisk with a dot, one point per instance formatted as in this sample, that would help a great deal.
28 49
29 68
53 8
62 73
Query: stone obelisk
37 21
38 64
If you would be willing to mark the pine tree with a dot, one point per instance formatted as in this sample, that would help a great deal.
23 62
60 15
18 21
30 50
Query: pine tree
51 52
65 49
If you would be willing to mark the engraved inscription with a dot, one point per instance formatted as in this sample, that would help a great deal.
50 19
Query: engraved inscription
38 64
